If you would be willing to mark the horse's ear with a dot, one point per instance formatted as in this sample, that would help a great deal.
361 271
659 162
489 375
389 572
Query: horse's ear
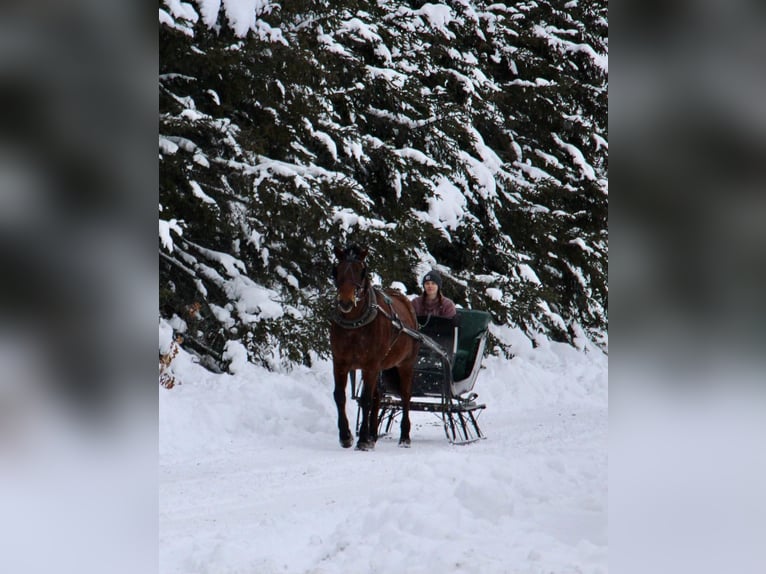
339 253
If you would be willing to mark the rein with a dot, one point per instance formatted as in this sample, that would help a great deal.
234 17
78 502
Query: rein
371 312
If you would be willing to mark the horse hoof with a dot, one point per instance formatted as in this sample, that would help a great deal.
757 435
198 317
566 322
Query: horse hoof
368 445
405 443
347 442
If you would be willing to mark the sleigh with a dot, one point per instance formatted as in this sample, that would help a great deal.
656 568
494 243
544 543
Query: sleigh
445 375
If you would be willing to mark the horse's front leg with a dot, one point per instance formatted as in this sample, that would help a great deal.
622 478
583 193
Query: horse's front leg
341 376
367 436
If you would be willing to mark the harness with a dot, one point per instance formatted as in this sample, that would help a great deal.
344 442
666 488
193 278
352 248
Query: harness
370 312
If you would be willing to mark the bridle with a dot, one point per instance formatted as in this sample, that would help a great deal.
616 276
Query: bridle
363 289
361 285
371 308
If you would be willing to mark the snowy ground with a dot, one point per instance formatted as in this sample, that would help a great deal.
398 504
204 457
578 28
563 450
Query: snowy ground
253 480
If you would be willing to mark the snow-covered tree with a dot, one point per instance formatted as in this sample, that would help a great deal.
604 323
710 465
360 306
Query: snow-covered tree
467 135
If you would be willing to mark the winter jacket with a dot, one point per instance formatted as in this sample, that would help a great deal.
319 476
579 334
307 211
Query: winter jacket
438 308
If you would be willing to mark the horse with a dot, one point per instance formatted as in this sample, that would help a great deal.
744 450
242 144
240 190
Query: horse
368 331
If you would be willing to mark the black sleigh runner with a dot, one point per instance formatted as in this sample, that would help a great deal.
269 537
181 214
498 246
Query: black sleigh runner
439 379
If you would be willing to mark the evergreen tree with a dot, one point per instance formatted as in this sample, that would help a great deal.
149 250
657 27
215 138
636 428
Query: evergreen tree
467 134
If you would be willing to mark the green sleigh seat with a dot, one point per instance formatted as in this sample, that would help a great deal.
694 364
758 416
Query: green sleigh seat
472 335
463 339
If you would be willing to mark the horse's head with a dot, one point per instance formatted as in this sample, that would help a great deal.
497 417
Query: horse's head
350 275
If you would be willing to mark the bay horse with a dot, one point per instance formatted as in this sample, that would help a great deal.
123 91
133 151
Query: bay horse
369 332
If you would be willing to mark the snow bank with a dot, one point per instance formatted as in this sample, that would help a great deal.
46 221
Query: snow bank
252 478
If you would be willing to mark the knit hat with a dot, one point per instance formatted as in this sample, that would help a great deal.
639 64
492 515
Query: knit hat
435 276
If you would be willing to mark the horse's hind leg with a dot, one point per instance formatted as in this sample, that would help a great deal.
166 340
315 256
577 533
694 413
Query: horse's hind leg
405 393
341 376
375 410
368 436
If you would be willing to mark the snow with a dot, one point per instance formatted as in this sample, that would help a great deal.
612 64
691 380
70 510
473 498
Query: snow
193 115
415 155
528 274
567 46
197 191
582 245
600 142
214 95
222 314
577 156
447 207
332 46
233 266
252 301
241 15
360 30
392 76
353 148
535 173
165 228
252 478
236 355
494 293
167 146
325 138
182 10
439 17
349 219
485 180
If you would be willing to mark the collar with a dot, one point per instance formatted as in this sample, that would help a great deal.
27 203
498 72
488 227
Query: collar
370 312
